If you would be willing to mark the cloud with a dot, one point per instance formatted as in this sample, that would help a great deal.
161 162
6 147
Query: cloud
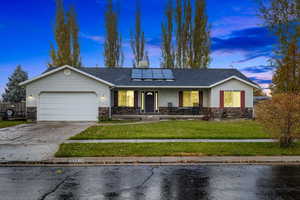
228 24
155 41
258 69
95 38
260 81
253 42
246 40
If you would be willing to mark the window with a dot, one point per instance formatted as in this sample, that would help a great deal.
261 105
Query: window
126 98
190 98
232 99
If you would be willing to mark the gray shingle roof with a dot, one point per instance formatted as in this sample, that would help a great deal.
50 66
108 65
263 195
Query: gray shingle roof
183 77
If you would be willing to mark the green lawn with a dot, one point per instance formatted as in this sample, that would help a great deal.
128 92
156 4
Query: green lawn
118 121
174 149
4 124
190 129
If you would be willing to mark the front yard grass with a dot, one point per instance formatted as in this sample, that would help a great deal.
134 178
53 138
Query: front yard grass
4 124
118 121
174 149
189 129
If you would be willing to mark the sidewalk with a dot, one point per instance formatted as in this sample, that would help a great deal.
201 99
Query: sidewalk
163 160
171 140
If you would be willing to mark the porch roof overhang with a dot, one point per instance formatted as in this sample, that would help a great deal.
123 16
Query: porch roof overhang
191 86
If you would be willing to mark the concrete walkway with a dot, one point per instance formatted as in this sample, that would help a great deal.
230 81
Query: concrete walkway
171 140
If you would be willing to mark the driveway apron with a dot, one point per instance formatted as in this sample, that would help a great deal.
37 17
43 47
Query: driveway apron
37 141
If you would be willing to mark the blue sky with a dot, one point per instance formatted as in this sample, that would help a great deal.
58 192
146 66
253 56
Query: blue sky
239 38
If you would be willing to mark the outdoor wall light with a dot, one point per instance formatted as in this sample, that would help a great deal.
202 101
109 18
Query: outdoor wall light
30 97
102 97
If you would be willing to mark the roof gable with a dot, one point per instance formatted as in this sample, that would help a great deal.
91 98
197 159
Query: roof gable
47 73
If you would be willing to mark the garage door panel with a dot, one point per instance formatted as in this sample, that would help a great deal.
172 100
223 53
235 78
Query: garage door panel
67 107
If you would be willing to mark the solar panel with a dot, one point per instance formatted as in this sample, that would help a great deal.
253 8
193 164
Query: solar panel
168 74
157 74
136 74
147 74
153 74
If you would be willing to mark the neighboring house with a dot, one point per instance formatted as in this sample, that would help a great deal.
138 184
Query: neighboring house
85 94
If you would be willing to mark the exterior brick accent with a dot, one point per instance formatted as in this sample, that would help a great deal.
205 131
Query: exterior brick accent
231 113
103 113
31 113
126 110
181 111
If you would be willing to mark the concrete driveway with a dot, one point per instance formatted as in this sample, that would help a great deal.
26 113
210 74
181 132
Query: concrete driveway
36 142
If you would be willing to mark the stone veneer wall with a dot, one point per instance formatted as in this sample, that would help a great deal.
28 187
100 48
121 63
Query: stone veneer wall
181 111
31 113
126 110
212 113
230 113
103 113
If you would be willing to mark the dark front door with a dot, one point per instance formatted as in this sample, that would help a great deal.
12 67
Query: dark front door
149 98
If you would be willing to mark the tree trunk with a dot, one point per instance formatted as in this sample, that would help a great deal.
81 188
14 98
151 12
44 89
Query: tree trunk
285 141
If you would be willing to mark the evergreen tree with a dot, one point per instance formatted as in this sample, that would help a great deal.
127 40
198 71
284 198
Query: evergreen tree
199 56
113 42
138 40
167 48
15 93
66 37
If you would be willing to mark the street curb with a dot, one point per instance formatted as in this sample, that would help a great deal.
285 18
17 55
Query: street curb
207 160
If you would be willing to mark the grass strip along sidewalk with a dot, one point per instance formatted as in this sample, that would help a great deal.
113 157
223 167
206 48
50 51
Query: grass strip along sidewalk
5 124
175 149
189 129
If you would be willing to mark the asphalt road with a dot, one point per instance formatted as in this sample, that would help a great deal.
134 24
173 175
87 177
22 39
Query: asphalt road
224 182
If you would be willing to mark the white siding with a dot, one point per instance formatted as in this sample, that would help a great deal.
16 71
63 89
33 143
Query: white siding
168 96
231 85
171 95
59 82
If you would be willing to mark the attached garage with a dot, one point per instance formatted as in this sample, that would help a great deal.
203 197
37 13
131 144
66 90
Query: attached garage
67 94
67 106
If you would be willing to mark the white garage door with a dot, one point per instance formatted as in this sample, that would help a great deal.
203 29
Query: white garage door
67 107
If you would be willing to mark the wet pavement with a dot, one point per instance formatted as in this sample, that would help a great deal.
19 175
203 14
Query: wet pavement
222 182
36 141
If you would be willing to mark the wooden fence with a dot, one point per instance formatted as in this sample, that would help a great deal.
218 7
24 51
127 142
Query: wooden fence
19 109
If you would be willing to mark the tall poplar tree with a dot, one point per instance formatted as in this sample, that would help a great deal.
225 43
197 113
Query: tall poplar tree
187 41
75 47
179 29
167 49
137 40
113 42
66 37
192 34
200 53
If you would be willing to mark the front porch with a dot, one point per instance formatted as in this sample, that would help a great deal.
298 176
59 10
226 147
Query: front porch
159 101
157 117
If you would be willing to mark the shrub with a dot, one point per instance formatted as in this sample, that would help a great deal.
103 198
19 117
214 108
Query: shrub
281 117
